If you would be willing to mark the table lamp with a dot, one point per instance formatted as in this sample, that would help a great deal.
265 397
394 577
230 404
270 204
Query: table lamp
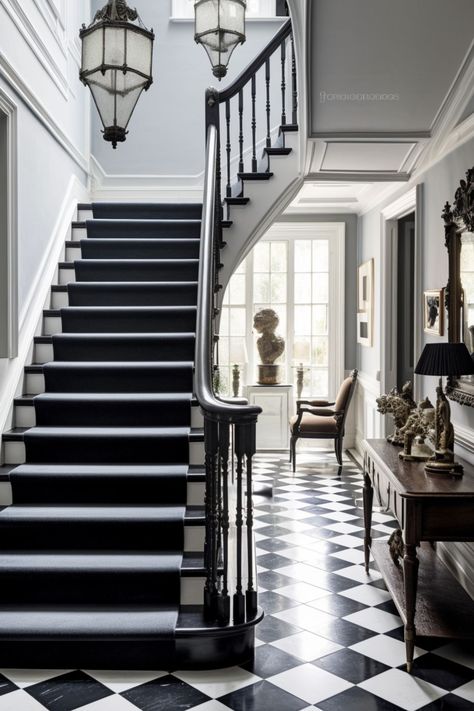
238 357
448 359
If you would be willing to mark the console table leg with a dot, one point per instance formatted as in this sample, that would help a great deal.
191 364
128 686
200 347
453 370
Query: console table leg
410 569
368 497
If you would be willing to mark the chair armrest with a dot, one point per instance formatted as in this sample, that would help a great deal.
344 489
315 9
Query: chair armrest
314 403
321 411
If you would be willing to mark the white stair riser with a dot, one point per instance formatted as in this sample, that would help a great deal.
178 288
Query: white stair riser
14 453
25 416
34 383
43 353
66 275
73 253
83 215
194 538
192 590
59 299
51 324
78 232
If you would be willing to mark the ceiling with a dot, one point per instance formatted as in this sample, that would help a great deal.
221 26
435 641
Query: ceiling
385 78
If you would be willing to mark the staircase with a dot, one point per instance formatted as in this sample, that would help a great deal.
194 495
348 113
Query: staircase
101 551
124 540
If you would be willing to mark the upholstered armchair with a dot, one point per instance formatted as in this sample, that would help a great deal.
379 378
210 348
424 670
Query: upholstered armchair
320 419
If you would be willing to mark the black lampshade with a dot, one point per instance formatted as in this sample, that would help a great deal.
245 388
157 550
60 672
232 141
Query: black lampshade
445 359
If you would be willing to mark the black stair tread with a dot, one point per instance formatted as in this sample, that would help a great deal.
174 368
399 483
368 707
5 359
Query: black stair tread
159 398
66 265
59 288
177 335
100 513
93 469
87 622
56 313
237 200
289 127
278 151
227 223
134 240
16 434
255 176
131 222
38 368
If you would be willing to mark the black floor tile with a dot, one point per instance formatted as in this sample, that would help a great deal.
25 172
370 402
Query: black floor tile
338 605
273 531
442 672
164 694
262 696
273 544
450 702
271 580
356 699
272 602
271 628
272 561
343 632
6 686
270 660
350 665
68 691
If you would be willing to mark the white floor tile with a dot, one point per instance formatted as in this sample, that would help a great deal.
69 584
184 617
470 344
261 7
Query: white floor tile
306 618
296 526
297 539
218 682
351 555
376 620
306 646
407 691
19 701
302 592
367 595
301 571
466 692
337 506
119 681
212 705
110 703
347 541
357 572
339 516
309 683
342 527
385 649
296 515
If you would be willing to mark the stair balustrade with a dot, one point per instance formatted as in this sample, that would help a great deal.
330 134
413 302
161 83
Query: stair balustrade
230 426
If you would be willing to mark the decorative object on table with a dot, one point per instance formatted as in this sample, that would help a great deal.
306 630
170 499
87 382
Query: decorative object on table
399 405
365 303
433 312
270 346
396 547
217 380
117 57
301 355
320 419
444 359
238 358
299 380
416 430
459 297
219 26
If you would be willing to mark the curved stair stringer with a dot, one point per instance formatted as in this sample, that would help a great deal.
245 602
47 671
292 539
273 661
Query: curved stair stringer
267 200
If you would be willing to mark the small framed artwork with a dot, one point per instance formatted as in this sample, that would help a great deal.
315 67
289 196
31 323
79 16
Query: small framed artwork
433 312
364 329
365 286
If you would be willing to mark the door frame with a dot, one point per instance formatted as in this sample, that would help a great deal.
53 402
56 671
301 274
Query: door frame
411 201
9 225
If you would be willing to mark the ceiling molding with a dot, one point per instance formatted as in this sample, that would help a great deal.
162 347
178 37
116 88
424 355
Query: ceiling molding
359 176
365 136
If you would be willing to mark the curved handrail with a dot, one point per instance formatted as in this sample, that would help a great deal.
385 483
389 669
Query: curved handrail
256 64
203 355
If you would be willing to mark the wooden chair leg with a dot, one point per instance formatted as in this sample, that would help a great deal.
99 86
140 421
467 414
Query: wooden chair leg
293 452
338 449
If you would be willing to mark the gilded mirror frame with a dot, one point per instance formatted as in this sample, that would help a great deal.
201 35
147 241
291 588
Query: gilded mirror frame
458 219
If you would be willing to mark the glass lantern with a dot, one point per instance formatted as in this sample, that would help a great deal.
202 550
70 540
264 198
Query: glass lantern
219 27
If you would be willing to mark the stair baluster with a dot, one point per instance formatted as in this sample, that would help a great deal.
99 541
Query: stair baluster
241 131
268 103
239 599
283 83
294 84
254 125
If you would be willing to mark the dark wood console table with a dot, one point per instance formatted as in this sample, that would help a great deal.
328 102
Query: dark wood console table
429 599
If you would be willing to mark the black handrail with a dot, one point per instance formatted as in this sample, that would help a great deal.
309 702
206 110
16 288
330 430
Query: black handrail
256 64
205 304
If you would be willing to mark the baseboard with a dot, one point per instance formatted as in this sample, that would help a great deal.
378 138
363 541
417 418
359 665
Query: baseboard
31 313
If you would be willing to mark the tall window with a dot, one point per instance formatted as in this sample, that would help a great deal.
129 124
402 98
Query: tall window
184 9
297 270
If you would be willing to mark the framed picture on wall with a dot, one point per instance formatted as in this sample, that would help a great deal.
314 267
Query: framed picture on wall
364 329
433 312
365 303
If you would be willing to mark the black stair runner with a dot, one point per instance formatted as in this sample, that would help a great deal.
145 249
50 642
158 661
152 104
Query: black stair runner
91 550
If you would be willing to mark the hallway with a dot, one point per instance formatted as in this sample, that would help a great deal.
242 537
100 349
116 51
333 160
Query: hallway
331 638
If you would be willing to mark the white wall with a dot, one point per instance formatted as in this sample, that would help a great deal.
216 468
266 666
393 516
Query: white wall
39 68
164 150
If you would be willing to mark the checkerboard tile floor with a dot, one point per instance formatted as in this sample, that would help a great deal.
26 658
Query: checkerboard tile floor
331 638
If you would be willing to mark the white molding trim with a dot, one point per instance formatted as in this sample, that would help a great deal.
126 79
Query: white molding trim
459 558
9 108
37 45
30 99
463 438
31 314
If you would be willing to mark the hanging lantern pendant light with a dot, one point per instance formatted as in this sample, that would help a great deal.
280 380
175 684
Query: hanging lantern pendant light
117 58
219 27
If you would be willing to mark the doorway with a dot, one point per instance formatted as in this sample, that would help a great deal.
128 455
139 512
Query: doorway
405 298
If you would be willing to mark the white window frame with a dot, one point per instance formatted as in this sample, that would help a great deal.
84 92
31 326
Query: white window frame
184 10
9 270
334 232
